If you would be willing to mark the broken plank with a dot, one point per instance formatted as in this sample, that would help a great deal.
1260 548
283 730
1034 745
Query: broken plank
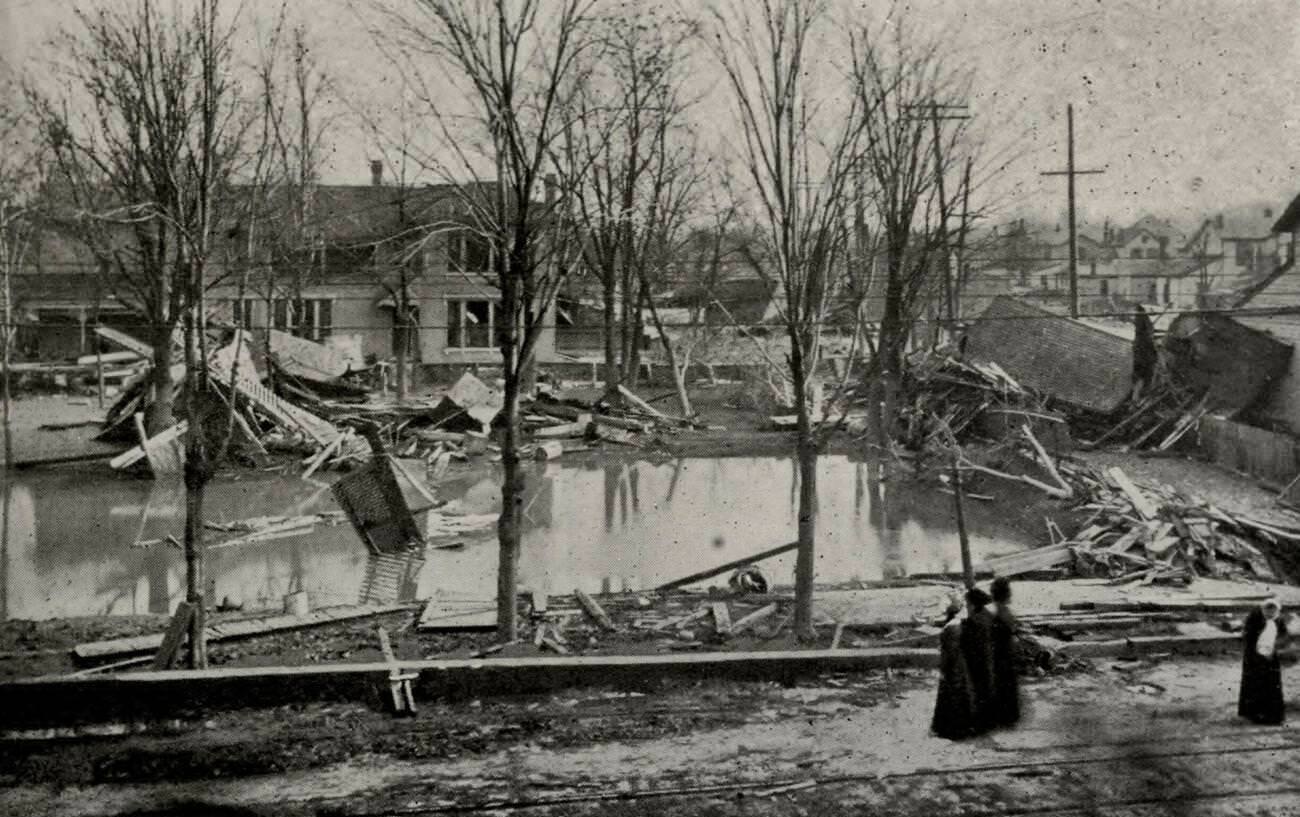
1141 503
681 621
640 405
593 609
538 600
721 618
723 568
443 615
176 630
753 618
1027 562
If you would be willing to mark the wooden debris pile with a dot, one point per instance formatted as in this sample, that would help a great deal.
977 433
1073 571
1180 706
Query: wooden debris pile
946 398
1157 535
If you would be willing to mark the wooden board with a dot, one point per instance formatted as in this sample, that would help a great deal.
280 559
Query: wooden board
240 628
176 630
449 614
1028 562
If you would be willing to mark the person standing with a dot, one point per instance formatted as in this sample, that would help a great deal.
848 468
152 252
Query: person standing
954 706
1006 685
977 648
1260 699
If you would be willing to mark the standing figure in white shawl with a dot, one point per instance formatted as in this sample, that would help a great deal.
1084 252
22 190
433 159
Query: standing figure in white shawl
1261 673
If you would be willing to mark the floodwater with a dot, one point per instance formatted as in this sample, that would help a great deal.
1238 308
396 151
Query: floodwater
599 526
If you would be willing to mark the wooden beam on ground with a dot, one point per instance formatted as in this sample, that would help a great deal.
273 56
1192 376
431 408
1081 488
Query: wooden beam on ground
594 610
1141 503
723 568
753 618
721 618
1015 564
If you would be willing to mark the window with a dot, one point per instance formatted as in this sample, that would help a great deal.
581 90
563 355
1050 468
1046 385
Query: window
241 312
468 251
1243 253
1135 253
1167 299
1042 281
1105 287
1152 292
472 324
310 318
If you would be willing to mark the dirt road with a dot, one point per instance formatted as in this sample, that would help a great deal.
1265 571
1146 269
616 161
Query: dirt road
1127 738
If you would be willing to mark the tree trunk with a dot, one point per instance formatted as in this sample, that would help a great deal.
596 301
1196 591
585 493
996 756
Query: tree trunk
612 378
402 351
196 479
6 394
805 559
512 498
161 409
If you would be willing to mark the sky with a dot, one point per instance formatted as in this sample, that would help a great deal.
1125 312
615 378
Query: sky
1189 106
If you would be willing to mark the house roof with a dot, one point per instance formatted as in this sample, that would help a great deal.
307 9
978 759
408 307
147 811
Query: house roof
361 213
1144 268
1157 227
1053 355
1290 218
1254 221
1263 293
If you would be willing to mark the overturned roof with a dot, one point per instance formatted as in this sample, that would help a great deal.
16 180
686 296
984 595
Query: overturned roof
1056 356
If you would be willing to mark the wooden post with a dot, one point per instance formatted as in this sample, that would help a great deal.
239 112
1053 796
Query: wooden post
967 569
99 370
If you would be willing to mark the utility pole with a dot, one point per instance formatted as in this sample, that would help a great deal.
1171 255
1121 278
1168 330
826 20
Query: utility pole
961 237
949 287
1070 172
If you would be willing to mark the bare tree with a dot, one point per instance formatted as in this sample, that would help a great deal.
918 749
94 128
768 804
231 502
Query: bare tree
799 147
905 83
626 118
19 176
513 62
147 139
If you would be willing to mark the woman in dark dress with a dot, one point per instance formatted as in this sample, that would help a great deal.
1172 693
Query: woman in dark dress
1261 674
1006 686
954 707
977 648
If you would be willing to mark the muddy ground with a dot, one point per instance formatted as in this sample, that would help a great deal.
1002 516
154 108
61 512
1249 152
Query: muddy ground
1114 737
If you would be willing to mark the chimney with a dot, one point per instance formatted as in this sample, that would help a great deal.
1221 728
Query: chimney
551 184
376 172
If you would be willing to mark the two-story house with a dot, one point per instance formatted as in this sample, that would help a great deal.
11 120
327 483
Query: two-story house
1243 242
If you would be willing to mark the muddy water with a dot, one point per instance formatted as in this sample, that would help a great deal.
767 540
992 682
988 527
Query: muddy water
67 548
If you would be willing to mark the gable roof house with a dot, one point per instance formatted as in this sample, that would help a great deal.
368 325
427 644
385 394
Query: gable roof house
342 287
1242 241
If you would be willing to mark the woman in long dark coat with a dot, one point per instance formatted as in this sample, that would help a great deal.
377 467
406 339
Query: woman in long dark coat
1261 674
1006 685
977 647
954 708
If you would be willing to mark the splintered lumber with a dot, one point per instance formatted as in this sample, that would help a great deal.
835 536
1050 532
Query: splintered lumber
721 618
1046 460
416 482
124 340
723 568
1050 490
565 431
228 630
753 618
153 448
171 643
1139 500
639 404
682 621
552 450
1015 564
839 634
591 608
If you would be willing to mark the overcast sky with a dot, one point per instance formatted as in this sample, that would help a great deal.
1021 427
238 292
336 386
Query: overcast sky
1189 105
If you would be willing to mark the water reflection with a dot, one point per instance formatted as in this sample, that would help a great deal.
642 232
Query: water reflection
600 526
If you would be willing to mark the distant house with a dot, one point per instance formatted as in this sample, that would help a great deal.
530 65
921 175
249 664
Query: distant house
1148 237
1242 241
341 288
